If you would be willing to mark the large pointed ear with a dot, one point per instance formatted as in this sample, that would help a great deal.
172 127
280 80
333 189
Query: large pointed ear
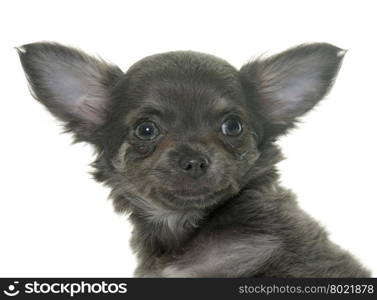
287 85
74 86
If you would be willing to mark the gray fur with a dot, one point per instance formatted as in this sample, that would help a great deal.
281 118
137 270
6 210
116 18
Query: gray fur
203 202
219 257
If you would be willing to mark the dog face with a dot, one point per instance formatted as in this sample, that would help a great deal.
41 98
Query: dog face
180 130
184 130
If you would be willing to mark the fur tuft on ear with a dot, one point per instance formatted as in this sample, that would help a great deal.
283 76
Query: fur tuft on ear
289 84
71 84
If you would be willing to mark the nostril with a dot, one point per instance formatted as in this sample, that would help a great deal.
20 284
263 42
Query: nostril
195 166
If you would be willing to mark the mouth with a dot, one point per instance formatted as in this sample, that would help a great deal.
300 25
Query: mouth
192 190
200 196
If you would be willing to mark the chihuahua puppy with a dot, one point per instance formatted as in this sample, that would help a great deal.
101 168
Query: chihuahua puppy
186 142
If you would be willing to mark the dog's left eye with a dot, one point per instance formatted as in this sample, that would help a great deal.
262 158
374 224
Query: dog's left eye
147 131
231 127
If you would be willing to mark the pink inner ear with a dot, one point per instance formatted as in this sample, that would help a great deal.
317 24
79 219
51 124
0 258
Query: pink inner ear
92 109
290 88
290 98
77 89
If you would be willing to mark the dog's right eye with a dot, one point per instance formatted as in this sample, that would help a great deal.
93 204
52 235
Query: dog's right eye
147 131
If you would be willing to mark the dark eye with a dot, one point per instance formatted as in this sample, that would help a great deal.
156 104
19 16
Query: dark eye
231 127
147 131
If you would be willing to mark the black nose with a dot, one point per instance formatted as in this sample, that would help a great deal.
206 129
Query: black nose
194 166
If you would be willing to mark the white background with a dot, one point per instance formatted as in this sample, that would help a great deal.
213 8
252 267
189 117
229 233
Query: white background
55 220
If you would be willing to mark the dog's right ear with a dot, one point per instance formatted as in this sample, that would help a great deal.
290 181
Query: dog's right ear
74 86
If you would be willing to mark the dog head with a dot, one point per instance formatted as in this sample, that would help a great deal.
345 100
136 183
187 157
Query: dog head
179 130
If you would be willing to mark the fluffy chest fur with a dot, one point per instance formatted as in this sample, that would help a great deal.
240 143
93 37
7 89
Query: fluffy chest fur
263 233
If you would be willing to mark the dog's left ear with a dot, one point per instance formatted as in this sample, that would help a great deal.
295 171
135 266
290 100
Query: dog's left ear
74 86
287 85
